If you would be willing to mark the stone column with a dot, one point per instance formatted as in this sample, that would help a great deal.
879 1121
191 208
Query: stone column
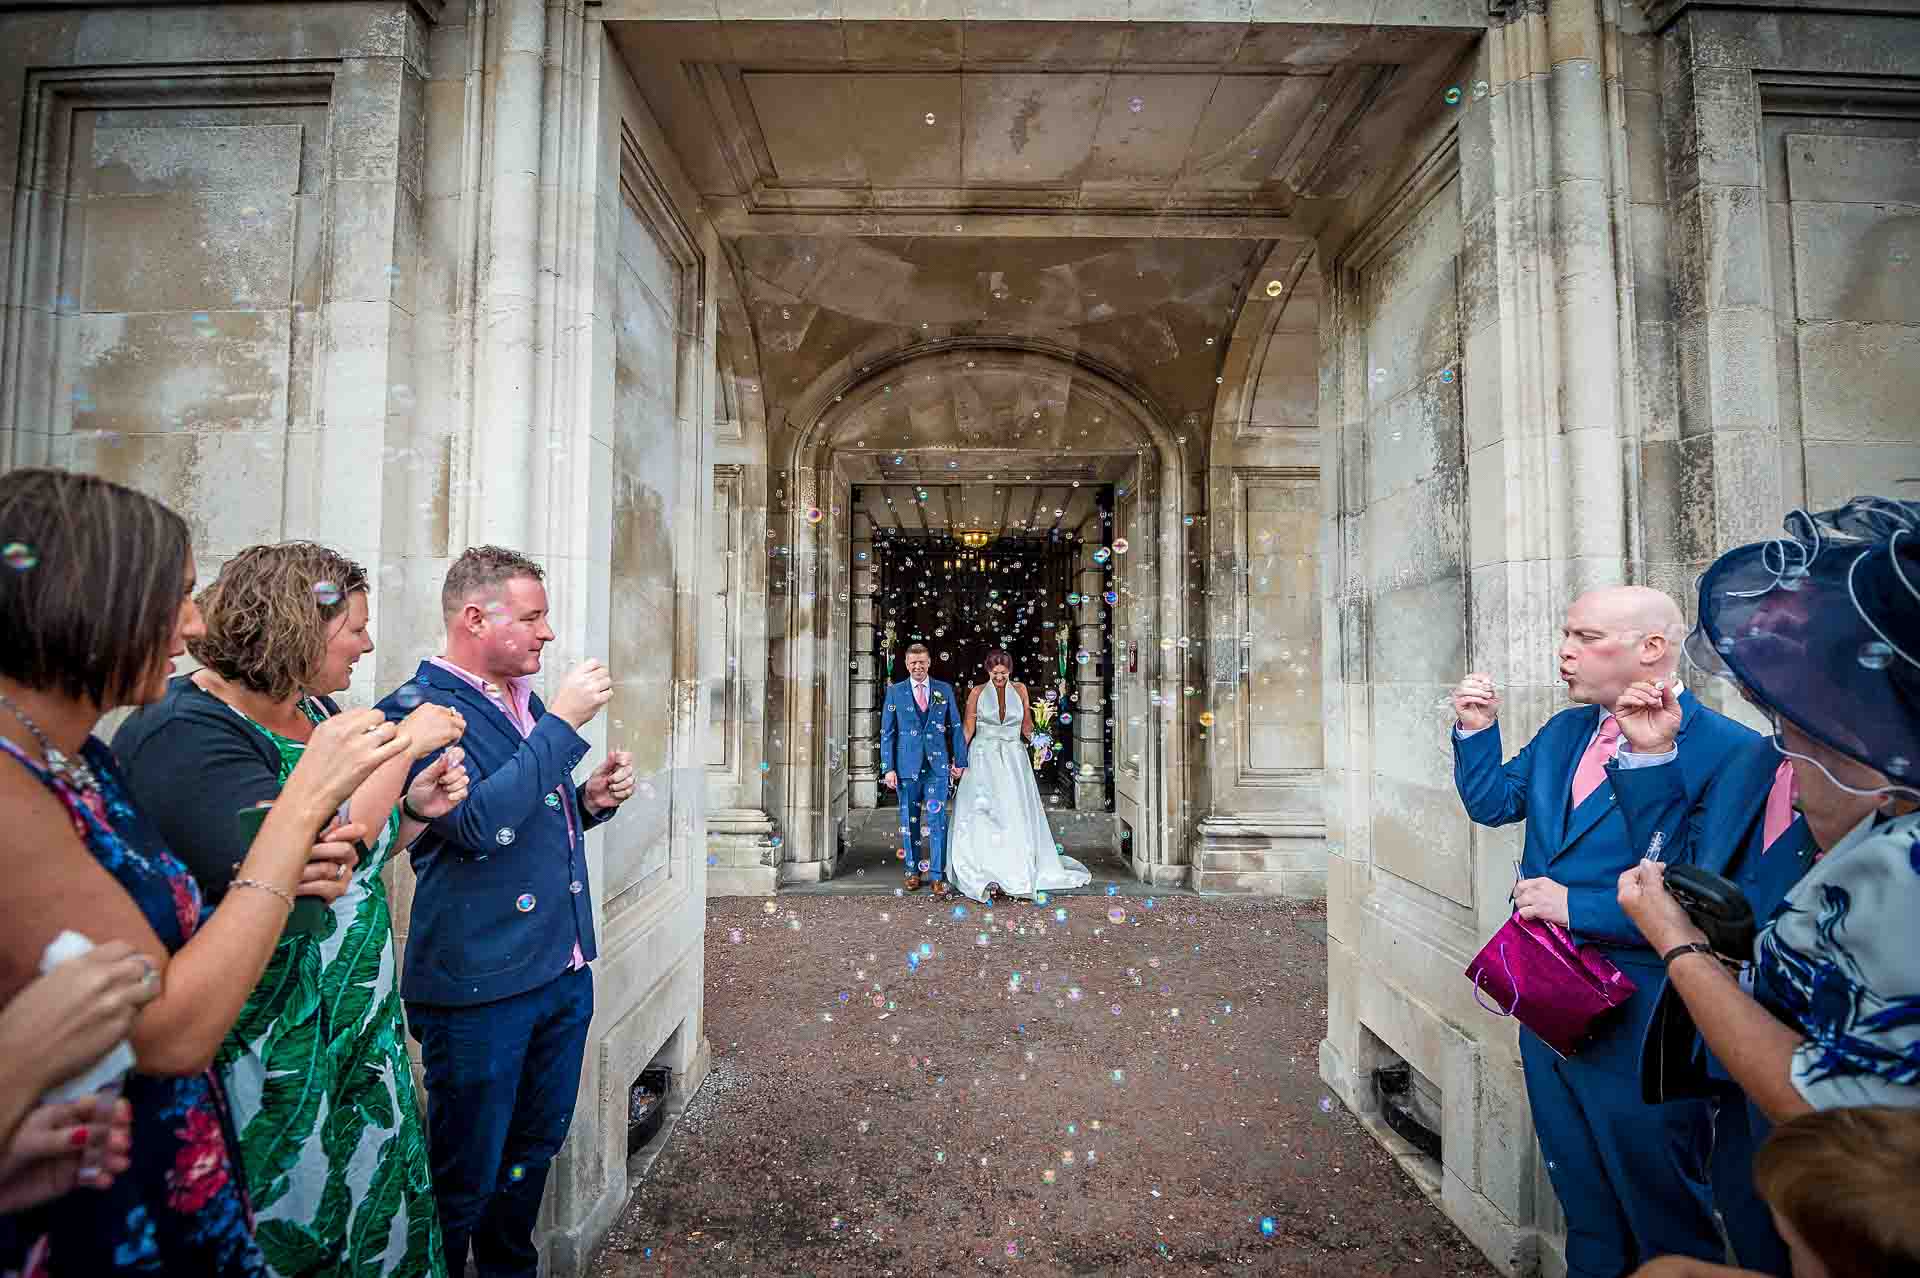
1086 680
862 757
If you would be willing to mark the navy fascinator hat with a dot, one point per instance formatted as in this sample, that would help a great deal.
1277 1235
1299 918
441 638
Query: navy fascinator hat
1822 628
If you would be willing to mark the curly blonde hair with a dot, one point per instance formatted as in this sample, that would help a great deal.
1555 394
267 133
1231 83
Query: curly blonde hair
267 614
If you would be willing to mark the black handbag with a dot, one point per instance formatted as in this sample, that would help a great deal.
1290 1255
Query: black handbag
1673 1058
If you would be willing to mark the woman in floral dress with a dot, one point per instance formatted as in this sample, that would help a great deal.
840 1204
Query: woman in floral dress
96 599
330 1131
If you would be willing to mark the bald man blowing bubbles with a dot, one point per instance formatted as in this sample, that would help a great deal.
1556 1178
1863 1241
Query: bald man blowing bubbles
1631 1177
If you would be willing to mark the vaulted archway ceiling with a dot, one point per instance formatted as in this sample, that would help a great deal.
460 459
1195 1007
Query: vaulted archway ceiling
1106 188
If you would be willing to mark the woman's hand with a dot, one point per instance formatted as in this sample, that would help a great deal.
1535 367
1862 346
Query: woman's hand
66 1020
432 727
1643 895
440 786
44 1156
331 864
343 752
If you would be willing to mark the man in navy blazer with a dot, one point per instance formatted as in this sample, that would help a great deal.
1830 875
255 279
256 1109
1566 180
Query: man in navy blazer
1630 1176
1745 828
923 751
496 982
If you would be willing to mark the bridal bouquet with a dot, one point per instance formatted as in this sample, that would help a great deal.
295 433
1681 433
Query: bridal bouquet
1042 742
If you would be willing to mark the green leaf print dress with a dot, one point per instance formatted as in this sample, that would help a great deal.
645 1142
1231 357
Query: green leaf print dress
322 1092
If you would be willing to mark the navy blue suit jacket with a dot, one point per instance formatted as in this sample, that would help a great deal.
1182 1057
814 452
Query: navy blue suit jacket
469 940
1585 850
1721 830
911 740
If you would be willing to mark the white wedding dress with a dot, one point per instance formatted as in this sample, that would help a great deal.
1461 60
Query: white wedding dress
998 830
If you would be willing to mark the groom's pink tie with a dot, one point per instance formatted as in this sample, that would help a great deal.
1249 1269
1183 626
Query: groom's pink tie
1593 764
1779 805
920 696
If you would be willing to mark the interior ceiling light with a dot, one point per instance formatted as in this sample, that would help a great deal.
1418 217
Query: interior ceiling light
973 538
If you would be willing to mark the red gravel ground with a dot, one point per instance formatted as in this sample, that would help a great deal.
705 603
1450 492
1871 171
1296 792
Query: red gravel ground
1082 1097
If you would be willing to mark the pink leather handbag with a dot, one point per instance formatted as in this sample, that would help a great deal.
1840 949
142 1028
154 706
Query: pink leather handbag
1535 973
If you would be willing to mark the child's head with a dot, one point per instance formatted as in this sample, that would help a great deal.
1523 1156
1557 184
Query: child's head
1844 1185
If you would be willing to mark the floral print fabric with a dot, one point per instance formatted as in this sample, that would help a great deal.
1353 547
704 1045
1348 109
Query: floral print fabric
181 1207
1840 962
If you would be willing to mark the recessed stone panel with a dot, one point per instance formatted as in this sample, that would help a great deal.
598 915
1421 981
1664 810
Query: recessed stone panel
171 371
1030 129
185 252
151 159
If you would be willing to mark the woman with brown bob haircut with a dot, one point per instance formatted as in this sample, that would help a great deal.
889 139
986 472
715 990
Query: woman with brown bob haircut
322 1038
96 599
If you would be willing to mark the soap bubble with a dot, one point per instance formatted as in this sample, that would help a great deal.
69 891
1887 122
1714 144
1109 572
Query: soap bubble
1446 375
1267 1226
1206 718
1101 555
929 117
1120 546
326 594
1135 105
1479 89
1875 655
815 514
19 556
503 836
1116 915
1453 96
1112 596
408 695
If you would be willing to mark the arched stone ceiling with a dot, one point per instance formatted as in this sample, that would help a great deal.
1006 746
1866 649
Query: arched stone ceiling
1159 312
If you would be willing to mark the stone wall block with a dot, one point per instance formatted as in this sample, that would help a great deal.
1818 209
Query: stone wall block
1482 383
1479 278
159 372
1862 44
367 265
1594 507
1860 383
1647 234
1848 265
1646 143
1676 507
1576 97
190 252
1639 68
1477 152
1726 118
1655 381
365 120
1489 538
1733 39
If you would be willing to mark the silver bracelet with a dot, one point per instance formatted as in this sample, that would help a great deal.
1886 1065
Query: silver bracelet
265 887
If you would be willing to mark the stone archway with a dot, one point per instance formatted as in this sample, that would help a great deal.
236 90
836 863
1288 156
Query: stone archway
1029 406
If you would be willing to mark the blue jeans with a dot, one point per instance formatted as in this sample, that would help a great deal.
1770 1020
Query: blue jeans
926 792
501 1082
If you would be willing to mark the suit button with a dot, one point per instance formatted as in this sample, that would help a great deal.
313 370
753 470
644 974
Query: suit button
576 887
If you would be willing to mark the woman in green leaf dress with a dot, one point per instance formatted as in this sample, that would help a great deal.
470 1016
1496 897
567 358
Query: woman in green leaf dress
317 1067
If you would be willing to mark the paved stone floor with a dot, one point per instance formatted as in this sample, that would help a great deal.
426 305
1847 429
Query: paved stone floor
1130 1090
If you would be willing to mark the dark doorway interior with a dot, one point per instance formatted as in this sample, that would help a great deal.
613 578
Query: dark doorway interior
1018 591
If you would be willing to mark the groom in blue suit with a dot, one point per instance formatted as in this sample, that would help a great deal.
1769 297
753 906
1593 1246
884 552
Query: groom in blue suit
1744 828
923 751
1631 1177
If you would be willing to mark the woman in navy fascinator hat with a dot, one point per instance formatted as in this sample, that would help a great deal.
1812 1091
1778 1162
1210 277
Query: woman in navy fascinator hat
1819 631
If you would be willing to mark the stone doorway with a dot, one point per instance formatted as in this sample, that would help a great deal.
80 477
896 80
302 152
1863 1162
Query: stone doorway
953 416
1024 567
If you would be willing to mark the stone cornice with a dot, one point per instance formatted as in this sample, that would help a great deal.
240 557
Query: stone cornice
431 10
1660 13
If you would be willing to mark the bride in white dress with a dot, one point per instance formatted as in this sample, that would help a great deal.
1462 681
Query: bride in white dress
999 843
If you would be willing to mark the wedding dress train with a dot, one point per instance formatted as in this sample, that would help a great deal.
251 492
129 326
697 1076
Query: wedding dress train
999 833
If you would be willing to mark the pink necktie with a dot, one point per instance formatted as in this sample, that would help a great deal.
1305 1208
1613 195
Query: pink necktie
1779 805
920 696
1593 764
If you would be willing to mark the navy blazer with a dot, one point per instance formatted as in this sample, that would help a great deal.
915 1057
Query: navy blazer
911 740
502 894
1720 830
1584 850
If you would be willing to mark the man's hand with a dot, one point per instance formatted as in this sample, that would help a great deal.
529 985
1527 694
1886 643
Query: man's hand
440 786
1643 895
1475 704
1649 715
891 780
587 687
611 783
1541 899
957 771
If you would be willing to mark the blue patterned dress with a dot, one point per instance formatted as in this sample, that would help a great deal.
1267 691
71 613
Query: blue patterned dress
181 1208
1840 962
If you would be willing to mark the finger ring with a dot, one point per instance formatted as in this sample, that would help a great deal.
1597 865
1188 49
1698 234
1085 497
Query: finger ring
340 871
149 979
